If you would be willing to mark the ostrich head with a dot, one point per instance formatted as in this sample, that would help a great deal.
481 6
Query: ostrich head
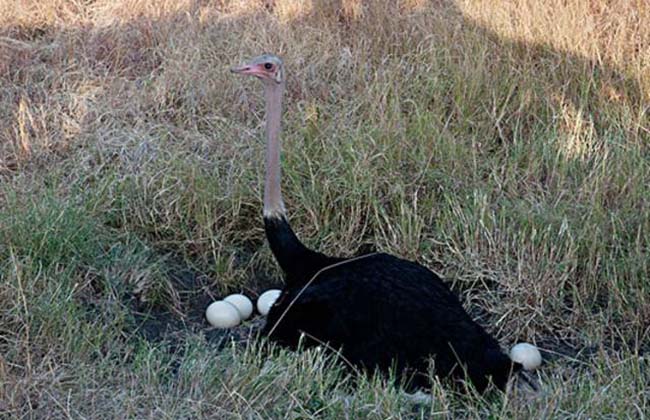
266 67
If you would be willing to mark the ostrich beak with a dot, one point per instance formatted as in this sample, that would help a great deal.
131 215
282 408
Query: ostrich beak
240 69
253 70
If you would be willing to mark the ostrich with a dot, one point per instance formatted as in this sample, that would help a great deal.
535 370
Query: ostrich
378 311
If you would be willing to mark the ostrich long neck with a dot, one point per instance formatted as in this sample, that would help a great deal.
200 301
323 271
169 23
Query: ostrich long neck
297 261
273 204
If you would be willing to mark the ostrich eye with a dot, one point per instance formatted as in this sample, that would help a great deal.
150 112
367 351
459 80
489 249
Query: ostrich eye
268 66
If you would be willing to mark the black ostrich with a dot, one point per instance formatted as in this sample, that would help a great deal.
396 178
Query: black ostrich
378 311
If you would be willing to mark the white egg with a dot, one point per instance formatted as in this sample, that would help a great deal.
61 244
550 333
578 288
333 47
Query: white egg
242 303
526 354
266 300
222 314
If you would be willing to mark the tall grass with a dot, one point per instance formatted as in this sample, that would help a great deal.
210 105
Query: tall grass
503 144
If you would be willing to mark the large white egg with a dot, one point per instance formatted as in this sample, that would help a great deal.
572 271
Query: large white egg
222 315
242 303
266 300
526 354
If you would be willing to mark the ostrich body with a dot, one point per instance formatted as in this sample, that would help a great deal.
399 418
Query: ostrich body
378 311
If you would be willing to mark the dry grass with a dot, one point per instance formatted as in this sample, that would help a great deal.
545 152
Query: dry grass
503 144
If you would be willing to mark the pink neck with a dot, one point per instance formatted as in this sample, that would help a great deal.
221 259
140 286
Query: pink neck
273 203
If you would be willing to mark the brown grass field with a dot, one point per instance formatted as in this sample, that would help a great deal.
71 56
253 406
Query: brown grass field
504 144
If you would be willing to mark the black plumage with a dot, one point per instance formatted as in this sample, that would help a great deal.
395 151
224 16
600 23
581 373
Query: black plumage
381 312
